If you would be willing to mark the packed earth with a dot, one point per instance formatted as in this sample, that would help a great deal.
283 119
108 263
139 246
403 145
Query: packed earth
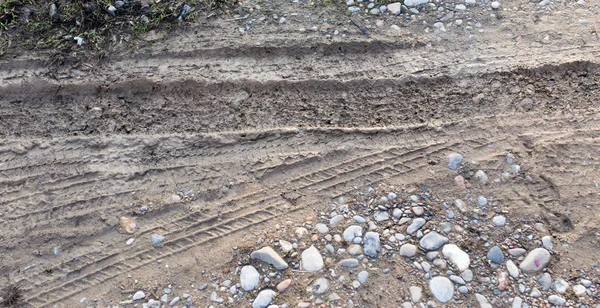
304 153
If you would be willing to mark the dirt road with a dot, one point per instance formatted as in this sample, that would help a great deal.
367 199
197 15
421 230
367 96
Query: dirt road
256 129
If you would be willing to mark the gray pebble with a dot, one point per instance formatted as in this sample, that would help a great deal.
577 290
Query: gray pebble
495 255
363 276
454 159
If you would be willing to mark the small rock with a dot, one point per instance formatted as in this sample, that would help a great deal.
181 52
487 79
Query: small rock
495 255
481 177
408 250
128 224
416 224
300 232
461 206
482 201
174 301
355 250
335 220
547 242
415 294
535 293
441 288
322 228
535 261
495 5
363 276
457 279
517 302
454 159
359 219
556 300
483 302
460 7
561 286
433 241
268 255
351 232
417 3
282 286
138 295
381 216
372 244
395 8
312 261
459 258
467 275
321 286
348 263
249 278
512 268
545 281
544 3
264 298
418 210
579 290
499 221
286 246
516 252
157 239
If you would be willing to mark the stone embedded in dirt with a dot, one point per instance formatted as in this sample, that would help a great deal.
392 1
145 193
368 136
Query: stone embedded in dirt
516 252
545 281
359 219
395 8
535 293
157 239
322 228
363 276
517 302
268 255
483 302
418 210
459 258
301 231
441 288
372 245
512 268
457 279
415 293
415 225
579 290
433 241
495 5
495 255
355 250
321 286
410 3
286 246
335 220
459 180
547 242
502 280
467 275
499 221
249 278
381 216
556 300
561 286
312 261
535 261
482 201
138 295
128 224
461 206
481 177
454 159
284 285
352 232
264 298
408 250
348 263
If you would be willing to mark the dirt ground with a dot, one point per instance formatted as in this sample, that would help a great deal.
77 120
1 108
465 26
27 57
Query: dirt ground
258 128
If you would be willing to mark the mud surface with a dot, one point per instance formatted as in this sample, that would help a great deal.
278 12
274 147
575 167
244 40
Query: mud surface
254 131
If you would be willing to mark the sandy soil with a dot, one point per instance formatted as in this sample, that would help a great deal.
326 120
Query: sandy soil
268 126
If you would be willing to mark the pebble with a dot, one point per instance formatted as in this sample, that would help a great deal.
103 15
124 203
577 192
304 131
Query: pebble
483 302
495 5
460 7
545 281
215 298
249 278
535 293
363 276
517 302
461 206
586 283
286 246
138 295
454 159
415 293
381 216
459 258
300 232
481 176
457 279
359 219
463 289
348 263
164 298
322 228
482 201
561 286
174 301
335 220
395 8
351 232
535 261
547 242
467 275
516 252
408 250
499 221
418 210
495 255
355 250
415 225
282 286
544 3
321 285
433 241
579 290
556 300
268 255
372 244
441 288
264 298
512 268
312 261
157 239
416 3
129 242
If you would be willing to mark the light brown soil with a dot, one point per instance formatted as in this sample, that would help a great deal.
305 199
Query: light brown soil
264 130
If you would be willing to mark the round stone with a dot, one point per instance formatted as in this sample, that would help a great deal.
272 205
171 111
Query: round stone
535 261
441 288
363 276
351 232
459 258
264 298
312 261
249 278
408 250
495 5
454 159
433 241
372 244
495 255
499 221
322 228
